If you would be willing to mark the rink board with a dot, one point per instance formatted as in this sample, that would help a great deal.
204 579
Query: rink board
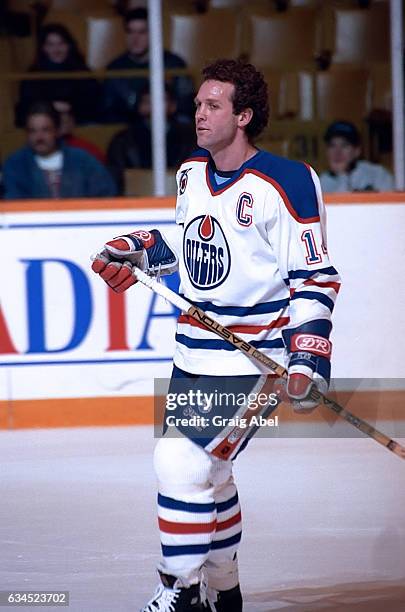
74 353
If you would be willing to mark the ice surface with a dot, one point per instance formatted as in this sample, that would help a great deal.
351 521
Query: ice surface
324 521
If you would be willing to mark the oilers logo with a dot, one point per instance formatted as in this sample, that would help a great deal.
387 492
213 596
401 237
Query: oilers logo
183 179
206 252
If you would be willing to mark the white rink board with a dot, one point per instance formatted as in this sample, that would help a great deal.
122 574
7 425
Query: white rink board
44 365
57 318
366 245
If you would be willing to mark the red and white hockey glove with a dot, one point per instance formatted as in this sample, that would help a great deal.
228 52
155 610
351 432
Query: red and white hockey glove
309 366
146 250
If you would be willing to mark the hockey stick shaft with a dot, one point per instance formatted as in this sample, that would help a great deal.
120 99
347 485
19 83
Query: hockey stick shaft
249 350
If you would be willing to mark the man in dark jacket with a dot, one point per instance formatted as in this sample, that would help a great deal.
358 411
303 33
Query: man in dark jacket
132 148
47 169
121 94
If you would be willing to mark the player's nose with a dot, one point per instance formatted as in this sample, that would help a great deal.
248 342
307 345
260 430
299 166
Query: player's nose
200 115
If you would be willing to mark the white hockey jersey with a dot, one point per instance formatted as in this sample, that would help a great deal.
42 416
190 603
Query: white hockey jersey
253 257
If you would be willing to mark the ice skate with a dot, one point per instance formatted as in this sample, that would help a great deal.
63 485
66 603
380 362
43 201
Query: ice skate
223 601
171 596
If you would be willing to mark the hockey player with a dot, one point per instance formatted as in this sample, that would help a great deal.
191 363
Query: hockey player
251 251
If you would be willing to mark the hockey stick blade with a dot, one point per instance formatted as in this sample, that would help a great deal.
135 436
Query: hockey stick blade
248 349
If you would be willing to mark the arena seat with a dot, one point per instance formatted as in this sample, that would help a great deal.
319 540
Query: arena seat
105 40
22 51
139 182
100 135
381 87
7 99
82 5
277 147
6 64
288 38
236 4
380 118
21 5
343 94
8 88
303 138
291 93
314 3
274 80
11 140
361 36
199 38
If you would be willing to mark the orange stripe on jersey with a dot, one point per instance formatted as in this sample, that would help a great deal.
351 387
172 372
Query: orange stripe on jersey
230 522
330 284
238 329
171 527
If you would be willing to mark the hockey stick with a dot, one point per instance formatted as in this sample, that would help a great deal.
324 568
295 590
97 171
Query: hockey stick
247 348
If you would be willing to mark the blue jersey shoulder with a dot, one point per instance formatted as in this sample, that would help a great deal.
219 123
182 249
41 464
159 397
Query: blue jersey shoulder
294 182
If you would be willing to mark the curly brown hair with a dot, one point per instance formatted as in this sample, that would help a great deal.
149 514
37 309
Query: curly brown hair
250 90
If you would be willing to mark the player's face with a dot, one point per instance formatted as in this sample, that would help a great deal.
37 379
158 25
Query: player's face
56 48
42 134
137 37
341 153
215 122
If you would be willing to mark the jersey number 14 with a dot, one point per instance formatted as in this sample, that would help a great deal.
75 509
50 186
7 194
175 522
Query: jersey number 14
313 255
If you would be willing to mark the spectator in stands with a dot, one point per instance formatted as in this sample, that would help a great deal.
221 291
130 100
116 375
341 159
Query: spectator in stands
347 172
120 94
132 148
58 52
67 127
45 168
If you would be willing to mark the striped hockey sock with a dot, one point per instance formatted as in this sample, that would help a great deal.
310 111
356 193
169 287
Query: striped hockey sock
186 531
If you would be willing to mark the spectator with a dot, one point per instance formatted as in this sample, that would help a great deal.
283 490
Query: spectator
45 168
347 172
67 127
132 148
58 52
120 94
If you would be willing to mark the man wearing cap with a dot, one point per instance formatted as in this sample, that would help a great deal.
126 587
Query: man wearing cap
346 171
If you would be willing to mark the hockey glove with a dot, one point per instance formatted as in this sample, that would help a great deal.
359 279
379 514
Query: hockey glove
309 365
146 250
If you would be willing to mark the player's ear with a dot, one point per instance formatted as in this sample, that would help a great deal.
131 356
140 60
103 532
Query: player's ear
245 116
